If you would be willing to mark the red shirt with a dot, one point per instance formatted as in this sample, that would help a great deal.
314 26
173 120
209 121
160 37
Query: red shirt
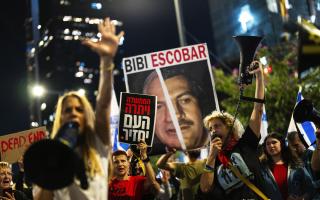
280 173
131 189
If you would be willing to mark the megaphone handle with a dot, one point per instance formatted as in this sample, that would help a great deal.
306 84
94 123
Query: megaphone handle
81 173
252 99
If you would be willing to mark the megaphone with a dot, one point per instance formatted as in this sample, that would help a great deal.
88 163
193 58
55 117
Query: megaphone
54 163
247 46
305 111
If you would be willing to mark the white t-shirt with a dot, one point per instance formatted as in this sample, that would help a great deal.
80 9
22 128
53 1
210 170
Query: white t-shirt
98 185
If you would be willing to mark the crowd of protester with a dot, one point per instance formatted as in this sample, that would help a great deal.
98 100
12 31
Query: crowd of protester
233 168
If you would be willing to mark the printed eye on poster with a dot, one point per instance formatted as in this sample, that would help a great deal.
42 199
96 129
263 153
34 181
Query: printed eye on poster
183 83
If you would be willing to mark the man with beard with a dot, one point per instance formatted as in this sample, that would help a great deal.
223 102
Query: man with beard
296 146
311 159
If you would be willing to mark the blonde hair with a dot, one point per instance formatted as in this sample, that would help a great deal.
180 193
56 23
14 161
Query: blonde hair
110 166
90 158
4 165
227 119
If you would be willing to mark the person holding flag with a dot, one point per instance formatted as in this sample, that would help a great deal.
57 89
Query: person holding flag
310 158
306 129
303 139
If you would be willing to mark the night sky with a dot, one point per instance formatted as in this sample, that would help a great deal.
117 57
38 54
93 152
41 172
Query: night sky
13 107
149 27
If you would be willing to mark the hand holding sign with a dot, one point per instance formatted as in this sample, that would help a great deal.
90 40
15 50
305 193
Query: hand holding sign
142 146
182 80
137 117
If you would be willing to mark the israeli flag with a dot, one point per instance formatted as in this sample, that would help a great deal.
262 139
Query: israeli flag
264 125
114 121
307 128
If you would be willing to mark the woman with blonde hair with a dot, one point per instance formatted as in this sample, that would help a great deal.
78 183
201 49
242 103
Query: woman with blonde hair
7 190
94 127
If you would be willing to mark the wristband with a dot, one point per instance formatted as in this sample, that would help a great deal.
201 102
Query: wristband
208 168
146 160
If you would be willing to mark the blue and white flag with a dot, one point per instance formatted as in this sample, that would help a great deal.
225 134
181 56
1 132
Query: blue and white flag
307 128
114 121
264 125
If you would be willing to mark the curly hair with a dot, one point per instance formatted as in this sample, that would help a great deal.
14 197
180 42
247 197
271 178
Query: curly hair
227 119
4 165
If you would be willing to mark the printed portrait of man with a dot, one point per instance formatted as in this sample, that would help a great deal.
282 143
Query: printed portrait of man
190 90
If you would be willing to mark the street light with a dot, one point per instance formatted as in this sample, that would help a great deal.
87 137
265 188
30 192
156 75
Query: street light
38 91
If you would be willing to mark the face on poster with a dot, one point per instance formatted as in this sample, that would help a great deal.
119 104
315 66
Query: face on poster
188 79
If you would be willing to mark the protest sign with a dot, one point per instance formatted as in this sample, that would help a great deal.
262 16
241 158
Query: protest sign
137 118
182 80
13 145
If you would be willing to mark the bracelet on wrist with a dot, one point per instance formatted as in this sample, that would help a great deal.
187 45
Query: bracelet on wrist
208 168
147 159
107 68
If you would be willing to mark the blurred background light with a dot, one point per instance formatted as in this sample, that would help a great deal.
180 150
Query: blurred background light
245 18
38 91
96 6
82 92
43 106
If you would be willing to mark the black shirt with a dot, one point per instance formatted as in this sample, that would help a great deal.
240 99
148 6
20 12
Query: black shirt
244 156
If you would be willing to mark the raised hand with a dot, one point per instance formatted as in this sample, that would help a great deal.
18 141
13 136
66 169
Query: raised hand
107 46
256 68
9 196
165 176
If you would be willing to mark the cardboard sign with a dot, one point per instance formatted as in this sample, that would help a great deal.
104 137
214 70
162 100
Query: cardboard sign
182 80
14 145
137 118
